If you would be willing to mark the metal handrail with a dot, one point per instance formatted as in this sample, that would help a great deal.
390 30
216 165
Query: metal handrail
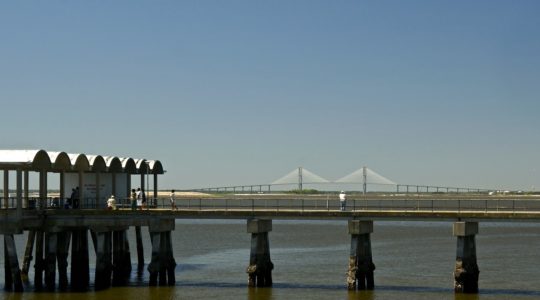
295 203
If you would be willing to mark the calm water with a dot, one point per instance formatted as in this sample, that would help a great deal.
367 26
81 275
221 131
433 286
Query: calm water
414 260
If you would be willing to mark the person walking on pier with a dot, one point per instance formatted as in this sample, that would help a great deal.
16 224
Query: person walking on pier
173 203
342 200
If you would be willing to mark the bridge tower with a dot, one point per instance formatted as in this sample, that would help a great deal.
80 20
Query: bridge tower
300 178
364 175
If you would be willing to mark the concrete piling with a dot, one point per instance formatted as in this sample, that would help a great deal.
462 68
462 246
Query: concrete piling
360 273
12 271
51 242
61 257
28 255
154 265
121 258
140 249
260 265
80 271
39 261
103 260
466 270
171 263
162 265
8 279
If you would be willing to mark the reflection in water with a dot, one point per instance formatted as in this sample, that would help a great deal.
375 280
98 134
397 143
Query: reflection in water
458 296
360 295
259 293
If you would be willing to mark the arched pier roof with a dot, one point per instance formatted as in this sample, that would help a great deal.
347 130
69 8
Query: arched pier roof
80 162
113 163
129 166
97 163
26 159
156 167
59 161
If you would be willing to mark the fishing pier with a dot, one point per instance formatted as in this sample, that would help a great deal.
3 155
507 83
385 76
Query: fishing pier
56 232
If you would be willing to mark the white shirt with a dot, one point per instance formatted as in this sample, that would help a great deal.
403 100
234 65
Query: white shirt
139 198
111 202
342 197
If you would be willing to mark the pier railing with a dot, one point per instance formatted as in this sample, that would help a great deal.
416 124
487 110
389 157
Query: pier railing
432 204
302 204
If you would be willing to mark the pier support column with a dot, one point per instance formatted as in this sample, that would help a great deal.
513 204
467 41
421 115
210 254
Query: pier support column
103 260
361 265
466 271
51 242
140 249
8 285
260 266
13 273
61 256
39 264
163 265
121 258
28 255
80 271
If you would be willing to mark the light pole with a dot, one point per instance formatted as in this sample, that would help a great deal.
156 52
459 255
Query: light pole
147 184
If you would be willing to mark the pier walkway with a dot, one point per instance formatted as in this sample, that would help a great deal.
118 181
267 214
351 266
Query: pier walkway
51 229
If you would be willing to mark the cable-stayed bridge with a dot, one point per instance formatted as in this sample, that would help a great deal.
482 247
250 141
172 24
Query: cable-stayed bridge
363 177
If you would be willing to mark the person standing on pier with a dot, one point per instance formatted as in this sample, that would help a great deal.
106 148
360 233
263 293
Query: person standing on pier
133 200
342 200
69 202
139 198
143 196
76 198
173 203
111 203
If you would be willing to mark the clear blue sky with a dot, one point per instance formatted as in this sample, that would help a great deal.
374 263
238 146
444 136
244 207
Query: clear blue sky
242 92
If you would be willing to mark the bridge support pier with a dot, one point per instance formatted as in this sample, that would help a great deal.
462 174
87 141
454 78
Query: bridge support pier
103 260
361 265
260 266
121 258
13 273
466 270
80 271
